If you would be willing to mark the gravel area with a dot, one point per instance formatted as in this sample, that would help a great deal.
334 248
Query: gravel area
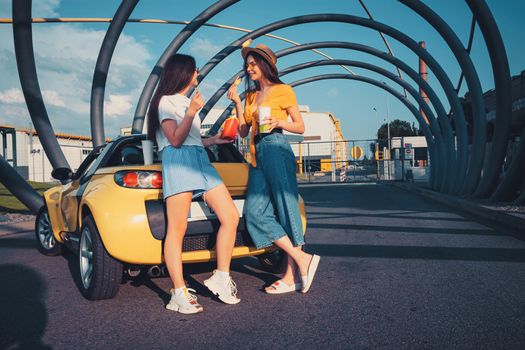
15 217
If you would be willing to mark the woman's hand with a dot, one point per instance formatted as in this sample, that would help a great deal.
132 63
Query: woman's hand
197 102
215 140
273 123
233 95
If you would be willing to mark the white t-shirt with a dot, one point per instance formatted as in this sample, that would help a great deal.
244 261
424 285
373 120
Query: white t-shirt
174 107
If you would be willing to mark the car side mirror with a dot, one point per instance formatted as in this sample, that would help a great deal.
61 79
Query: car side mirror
62 174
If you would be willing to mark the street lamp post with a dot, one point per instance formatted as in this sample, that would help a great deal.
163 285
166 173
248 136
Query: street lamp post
388 125
377 125
388 133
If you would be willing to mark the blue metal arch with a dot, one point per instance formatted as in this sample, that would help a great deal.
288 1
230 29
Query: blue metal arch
443 120
410 43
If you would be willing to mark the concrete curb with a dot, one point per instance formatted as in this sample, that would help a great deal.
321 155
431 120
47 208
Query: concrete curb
484 213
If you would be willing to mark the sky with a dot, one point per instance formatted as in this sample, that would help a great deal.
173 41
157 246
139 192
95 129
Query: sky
66 54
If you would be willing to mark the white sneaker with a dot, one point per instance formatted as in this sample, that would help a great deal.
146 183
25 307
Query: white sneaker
225 290
185 302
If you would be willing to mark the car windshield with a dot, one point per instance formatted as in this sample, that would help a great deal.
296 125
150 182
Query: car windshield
88 162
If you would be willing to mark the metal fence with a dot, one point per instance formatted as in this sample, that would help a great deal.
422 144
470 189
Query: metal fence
339 161
353 161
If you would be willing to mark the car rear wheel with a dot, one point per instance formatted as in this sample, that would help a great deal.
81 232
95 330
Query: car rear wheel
100 274
272 262
45 240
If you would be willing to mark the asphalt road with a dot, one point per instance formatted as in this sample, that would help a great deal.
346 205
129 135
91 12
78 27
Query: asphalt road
397 272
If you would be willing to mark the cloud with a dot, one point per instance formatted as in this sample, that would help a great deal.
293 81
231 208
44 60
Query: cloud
333 92
45 8
118 105
65 57
52 98
16 96
40 8
12 96
203 48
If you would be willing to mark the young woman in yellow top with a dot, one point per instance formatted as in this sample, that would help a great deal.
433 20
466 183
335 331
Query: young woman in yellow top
272 210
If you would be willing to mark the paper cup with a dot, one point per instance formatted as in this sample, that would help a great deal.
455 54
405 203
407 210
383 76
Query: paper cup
264 112
147 151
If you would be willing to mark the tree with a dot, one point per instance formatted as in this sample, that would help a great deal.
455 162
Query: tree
398 128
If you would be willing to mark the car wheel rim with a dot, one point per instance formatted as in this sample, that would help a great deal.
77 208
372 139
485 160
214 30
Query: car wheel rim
86 257
45 233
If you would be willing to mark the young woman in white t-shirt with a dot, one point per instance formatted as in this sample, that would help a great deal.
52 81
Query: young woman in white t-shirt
187 173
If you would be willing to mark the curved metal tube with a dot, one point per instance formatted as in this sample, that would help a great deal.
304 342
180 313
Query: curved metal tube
409 42
442 115
428 134
512 180
502 84
177 42
520 199
19 187
439 167
478 105
25 60
101 69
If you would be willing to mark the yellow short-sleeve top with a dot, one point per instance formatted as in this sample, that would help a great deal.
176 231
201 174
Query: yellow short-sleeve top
279 98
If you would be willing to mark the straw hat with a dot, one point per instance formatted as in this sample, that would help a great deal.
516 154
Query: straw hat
262 50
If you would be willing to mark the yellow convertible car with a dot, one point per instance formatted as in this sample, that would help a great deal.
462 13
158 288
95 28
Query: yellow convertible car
111 214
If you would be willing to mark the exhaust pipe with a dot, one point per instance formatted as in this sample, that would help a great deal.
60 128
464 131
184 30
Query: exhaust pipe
165 271
134 271
154 271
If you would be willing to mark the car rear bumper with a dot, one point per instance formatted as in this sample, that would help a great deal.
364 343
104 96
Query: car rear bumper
200 238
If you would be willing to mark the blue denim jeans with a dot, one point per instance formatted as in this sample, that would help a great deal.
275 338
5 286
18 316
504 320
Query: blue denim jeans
272 209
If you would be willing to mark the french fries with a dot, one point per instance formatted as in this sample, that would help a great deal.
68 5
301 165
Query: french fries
237 81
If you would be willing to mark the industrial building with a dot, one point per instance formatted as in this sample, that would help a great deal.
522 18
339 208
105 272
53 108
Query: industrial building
23 150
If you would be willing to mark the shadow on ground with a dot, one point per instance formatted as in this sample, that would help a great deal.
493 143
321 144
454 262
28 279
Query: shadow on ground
24 313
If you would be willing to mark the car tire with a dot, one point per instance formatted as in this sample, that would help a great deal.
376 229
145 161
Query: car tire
100 274
45 240
272 262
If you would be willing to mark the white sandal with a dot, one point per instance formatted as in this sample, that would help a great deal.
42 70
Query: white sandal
280 287
312 268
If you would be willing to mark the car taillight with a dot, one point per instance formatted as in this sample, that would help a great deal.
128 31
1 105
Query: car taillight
139 179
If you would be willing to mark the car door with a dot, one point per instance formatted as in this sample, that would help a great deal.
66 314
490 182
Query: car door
73 191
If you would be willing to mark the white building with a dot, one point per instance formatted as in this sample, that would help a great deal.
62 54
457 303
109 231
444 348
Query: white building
30 159
318 142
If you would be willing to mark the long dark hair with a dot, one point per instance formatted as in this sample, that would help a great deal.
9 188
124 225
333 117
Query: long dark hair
268 70
177 74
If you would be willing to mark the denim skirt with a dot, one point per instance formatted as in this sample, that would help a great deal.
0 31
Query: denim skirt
187 169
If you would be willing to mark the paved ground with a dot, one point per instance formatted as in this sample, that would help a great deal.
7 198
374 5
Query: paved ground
397 272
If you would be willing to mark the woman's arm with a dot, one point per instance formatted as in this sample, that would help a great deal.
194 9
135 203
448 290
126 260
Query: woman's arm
176 134
243 127
215 140
296 126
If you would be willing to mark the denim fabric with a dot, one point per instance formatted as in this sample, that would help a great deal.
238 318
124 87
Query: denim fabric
187 169
272 208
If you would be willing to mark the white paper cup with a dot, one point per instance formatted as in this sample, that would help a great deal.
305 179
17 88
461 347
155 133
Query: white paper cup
264 112
147 151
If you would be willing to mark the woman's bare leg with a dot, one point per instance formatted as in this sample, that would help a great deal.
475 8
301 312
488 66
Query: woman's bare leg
300 258
291 274
220 201
177 208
